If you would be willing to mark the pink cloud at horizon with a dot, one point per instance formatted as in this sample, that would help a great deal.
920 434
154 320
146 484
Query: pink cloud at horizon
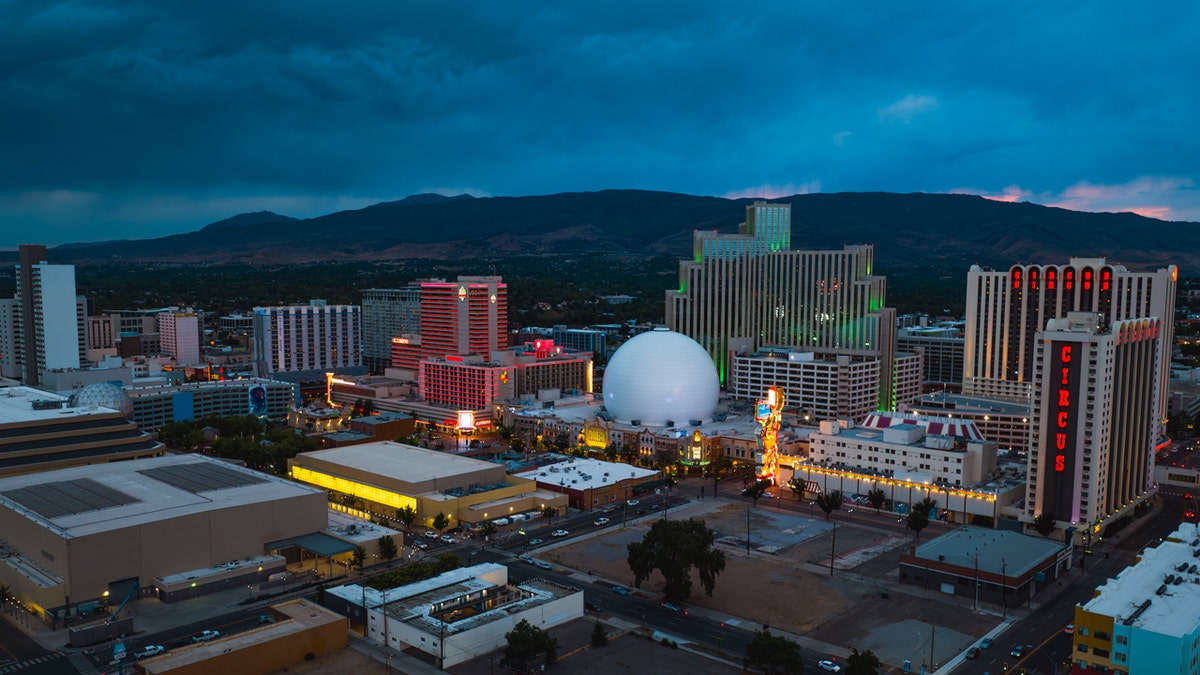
774 191
1161 197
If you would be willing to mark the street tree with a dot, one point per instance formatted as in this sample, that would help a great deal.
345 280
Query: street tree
829 502
406 515
674 547
1044 523
528 648
917 521
548 512
876 498
358 558
599 635
862 663
756 490
771 652
797 488
441 521
487 529
388 548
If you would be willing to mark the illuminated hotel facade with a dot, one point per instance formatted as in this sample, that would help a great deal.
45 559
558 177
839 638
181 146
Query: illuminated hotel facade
472 383
1094 413
466 316
740 292
388 313
1005 309
301 342
822 386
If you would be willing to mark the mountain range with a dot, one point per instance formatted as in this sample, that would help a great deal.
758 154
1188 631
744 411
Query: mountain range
914 229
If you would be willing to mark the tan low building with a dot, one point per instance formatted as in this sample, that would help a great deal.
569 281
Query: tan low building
74 539
387 476
296 631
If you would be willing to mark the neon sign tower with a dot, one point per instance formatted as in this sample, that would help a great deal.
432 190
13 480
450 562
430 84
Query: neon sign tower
768 415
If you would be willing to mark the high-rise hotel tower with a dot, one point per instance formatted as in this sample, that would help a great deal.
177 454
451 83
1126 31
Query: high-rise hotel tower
1005 309
740 292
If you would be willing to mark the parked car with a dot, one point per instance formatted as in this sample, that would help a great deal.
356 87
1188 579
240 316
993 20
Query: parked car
148 651
559 533
205 636
264 619
985 643
829 666
600 521
430 534
620 590
973 653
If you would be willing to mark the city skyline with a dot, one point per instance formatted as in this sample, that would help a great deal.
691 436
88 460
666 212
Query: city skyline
134 122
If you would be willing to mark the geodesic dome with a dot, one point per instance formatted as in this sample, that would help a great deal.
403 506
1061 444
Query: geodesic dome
104 395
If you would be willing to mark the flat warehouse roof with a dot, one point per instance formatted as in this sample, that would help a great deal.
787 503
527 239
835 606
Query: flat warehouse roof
135 492
17 405
398 460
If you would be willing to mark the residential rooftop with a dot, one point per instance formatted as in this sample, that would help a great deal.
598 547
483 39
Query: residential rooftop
1161 592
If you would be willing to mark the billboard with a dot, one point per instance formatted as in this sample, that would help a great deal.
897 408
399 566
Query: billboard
258 401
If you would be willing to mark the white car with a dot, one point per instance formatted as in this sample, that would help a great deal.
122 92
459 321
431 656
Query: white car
448 539
559 533
205 636
600 521
829 666
429 534
148 651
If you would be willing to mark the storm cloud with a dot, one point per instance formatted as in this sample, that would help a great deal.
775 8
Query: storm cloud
138 119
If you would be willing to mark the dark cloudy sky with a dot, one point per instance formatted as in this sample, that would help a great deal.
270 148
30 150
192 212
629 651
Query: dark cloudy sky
137 119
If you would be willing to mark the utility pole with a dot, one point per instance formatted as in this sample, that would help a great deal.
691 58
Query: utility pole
1004 586
832 548
442 647
386 643
932 634
976 580
747 529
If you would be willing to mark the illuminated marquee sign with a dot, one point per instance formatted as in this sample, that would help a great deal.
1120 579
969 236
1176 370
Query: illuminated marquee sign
1060 468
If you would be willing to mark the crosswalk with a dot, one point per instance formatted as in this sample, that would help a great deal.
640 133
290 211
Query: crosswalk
28 665
82 664
39 664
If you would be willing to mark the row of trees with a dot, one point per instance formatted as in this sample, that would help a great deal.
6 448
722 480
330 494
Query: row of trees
241 437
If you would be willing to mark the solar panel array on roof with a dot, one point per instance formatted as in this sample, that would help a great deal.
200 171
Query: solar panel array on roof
201 477
68 497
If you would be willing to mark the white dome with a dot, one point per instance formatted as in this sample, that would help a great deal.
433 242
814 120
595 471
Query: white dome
659 377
